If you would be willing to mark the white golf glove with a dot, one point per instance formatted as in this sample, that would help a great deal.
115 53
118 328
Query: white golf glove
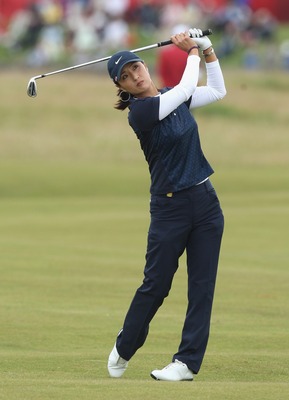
203 42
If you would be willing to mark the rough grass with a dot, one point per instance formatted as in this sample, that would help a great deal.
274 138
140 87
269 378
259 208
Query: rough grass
74 217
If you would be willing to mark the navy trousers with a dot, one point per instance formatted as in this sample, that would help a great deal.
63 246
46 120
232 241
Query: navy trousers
190 220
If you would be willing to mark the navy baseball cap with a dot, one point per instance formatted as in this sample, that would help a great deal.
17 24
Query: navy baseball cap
118 60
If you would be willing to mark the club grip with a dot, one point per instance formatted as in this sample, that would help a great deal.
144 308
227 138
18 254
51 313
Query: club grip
206 32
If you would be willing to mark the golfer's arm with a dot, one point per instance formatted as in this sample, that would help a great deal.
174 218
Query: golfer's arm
214 90
170 100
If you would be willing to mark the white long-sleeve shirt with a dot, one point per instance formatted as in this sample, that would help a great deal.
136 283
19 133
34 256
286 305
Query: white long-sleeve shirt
213 91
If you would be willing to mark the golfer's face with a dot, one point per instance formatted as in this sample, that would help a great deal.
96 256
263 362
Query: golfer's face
135 79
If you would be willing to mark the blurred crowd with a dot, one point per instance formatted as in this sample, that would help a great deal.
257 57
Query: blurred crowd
48 30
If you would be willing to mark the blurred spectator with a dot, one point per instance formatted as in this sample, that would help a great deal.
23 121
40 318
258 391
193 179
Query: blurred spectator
31 23
261 26
115 8
116 32
49 46
83 22
231 19
230 40
234 13
147 14
192 14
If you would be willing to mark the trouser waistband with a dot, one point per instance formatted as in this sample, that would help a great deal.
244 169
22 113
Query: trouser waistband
171 194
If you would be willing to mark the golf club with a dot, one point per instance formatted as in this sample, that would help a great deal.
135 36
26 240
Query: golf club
32 87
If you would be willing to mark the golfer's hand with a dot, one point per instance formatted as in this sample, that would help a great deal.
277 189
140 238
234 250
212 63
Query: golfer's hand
203 42
183 41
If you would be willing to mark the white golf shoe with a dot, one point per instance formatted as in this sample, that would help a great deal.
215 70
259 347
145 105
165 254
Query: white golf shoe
116 365
175 371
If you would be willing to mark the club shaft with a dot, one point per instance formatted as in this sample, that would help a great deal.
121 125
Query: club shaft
152 46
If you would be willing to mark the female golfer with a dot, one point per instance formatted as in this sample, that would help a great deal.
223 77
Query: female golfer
185 211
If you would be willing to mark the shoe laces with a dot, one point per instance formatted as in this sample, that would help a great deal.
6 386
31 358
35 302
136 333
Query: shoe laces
172 364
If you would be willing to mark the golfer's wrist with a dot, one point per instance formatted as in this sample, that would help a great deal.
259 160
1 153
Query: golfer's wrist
194 50
209 54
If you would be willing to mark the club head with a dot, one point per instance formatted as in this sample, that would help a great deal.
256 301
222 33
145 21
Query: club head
32 88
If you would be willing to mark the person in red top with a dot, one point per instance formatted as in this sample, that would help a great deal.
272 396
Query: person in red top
171 62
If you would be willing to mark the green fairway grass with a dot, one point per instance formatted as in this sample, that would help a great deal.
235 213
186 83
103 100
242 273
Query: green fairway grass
74 212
